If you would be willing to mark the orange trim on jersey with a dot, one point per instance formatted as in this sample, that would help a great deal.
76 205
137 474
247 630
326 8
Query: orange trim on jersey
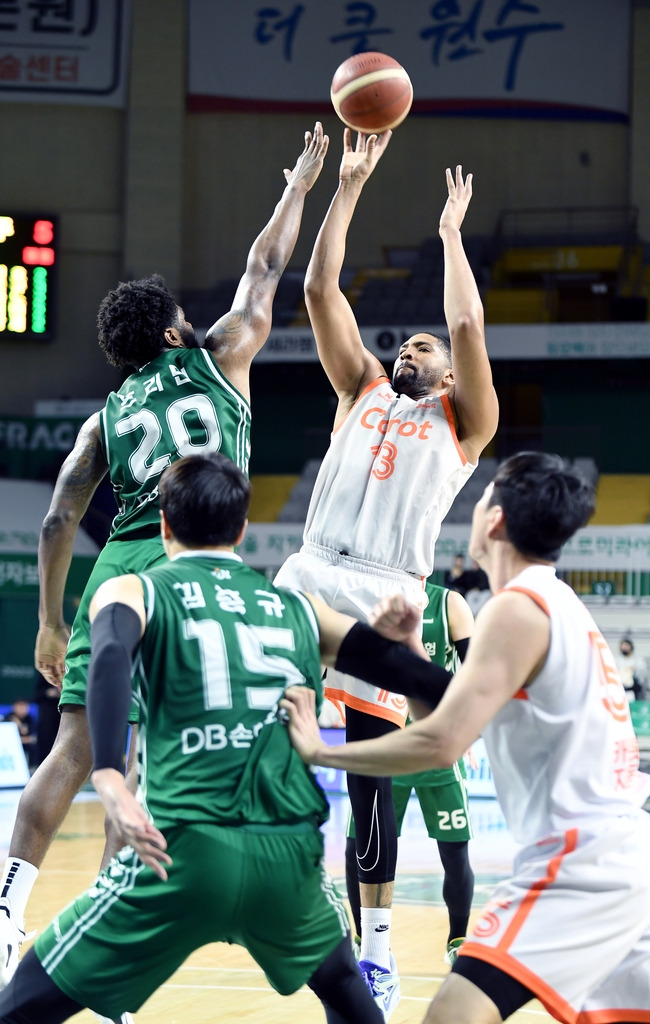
534 596
446 405
377 383
609 1016
535 891
368 706
340 707
520 695
548 997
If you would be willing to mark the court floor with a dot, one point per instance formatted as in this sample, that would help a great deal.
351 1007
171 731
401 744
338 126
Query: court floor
223 983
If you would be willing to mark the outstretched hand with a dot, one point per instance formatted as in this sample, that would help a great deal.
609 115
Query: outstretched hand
359 163
396 619
131 821
460 193
299 703
310 162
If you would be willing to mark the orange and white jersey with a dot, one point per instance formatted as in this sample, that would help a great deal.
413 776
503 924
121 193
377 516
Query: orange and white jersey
563 751
392 470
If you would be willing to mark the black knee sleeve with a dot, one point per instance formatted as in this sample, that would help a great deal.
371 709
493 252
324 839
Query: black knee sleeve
342 990
458 883
372 808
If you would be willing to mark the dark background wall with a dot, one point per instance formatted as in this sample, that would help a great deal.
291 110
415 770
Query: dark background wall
152 187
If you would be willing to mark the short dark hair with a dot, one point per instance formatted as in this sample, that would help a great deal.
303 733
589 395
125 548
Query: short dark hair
132 320
444 344
544 502
205 499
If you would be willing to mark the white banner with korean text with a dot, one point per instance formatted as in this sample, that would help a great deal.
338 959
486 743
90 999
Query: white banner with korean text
64 51
499 57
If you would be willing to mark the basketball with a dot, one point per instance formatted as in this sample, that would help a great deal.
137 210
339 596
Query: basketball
371 92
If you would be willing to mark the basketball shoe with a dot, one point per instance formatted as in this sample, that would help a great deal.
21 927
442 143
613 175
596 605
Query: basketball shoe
11 939
383 985
453 949
126 1018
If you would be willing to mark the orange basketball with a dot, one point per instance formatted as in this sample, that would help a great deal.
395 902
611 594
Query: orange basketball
371 92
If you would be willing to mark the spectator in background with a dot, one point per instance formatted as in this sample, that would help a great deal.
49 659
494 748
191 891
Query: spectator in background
21 715
46 698
478 579
631 669
471 583
455 573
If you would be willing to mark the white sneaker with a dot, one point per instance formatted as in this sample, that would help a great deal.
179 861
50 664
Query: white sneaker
126 1018
11 939
383 985
453 949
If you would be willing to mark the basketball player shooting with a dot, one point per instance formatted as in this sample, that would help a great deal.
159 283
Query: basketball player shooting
399 454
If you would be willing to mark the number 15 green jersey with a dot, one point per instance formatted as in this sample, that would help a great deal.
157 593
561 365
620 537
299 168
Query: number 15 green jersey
220 646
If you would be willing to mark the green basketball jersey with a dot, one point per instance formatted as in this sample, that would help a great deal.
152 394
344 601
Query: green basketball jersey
221 645
178 404
435 629
438 645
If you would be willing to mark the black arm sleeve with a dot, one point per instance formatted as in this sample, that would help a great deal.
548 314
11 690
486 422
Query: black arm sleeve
113 637
461 647
392 666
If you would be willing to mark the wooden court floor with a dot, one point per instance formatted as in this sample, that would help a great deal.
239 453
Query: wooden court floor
222 983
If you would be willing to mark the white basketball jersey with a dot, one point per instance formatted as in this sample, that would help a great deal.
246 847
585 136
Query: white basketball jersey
392 470
563 751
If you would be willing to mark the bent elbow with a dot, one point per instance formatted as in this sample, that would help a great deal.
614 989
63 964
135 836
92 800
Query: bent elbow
57 522
315 290
469 322
447 754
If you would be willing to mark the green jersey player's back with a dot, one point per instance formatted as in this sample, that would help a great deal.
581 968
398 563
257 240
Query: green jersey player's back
440 648
178 404
220 646
435 629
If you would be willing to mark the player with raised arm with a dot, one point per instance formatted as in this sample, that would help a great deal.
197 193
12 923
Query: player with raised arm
181 399
400 452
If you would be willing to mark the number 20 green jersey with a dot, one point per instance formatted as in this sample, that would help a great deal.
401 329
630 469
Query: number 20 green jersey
220 646
178 404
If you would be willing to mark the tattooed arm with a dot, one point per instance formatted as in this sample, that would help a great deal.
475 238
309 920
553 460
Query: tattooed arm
78 479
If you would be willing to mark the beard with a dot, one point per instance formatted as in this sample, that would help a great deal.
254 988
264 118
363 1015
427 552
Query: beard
413 383
188 336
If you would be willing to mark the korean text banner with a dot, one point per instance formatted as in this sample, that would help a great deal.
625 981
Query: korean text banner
64 51
503 57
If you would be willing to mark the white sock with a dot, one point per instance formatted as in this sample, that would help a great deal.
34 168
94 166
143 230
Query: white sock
375 935
16 886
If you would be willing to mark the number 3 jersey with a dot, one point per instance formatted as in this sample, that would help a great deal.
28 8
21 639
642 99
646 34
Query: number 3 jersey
178 404
220 646
392 470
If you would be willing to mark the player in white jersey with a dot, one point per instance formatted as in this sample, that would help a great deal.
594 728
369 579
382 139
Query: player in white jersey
400 452
572 925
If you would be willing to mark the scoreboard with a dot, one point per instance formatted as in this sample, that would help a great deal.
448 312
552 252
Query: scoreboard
28 257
